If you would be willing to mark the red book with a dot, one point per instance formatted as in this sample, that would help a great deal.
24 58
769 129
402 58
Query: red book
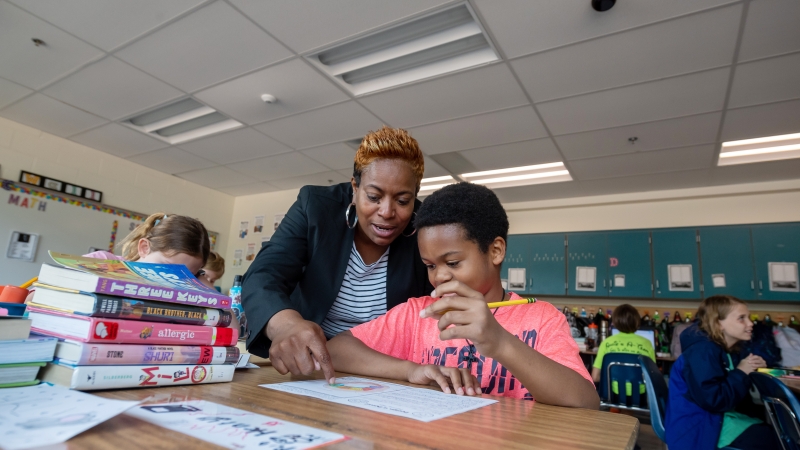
95 329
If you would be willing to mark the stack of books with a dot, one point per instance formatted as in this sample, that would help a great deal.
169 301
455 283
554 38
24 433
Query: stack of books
130 324
22 356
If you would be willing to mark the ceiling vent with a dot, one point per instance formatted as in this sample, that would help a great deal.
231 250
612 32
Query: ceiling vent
439 43
181 121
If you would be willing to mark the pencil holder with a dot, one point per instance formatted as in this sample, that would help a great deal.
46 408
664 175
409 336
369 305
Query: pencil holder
13 294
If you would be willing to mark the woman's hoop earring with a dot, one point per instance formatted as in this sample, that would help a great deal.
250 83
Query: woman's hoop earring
415 230
347 217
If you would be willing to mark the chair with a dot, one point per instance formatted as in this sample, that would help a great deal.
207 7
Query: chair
782 407
622 368
657 395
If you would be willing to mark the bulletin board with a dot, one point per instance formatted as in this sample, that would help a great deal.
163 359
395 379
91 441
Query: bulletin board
63 224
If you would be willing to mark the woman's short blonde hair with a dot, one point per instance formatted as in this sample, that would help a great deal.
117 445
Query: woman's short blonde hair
389 143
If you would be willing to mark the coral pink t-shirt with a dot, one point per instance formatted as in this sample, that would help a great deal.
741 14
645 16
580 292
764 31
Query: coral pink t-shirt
401 333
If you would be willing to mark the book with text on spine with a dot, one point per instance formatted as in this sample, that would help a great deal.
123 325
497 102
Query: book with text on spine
119 331
86 354
87 378
171 283
111 307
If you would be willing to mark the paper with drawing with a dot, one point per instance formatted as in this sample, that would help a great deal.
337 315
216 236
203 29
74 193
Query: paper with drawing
414 403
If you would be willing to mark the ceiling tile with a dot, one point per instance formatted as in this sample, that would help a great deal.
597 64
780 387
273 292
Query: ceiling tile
680 132
521 27
118 140
771 29
307 24
297 86
217 177
686 158
525 153
432 169
673 97
322 126
766 81
278 167
171 160
335 156
248 189
11 92
510 125
315 179
764 120
654 52
235 146
51 116
467 93
205 47
454 162
110 23
112 89
34 66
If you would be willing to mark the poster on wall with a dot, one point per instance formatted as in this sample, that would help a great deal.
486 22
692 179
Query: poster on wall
251 252
680 277
278 219
212 239
585 278
243 226
259 224
22 246
783 277
237 258
516 279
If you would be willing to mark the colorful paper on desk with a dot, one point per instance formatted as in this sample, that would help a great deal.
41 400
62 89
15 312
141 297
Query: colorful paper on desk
34 416
420 404
231 427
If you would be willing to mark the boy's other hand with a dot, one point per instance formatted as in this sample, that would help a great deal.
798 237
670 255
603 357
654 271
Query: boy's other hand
465 316
462 382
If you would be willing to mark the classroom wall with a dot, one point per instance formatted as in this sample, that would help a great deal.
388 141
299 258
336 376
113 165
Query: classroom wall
124 185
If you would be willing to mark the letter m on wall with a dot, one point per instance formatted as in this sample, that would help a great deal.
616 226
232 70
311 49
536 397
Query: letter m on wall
13 199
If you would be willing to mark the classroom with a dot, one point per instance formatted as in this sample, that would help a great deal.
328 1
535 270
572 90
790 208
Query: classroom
278 224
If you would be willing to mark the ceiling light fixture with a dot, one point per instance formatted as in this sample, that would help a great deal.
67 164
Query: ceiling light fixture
770 148
181 121
428 185
520 176
442 42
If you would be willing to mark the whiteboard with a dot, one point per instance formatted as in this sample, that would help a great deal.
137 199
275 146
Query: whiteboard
61 227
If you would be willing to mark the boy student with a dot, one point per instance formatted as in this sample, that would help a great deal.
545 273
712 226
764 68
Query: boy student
626 319
451 338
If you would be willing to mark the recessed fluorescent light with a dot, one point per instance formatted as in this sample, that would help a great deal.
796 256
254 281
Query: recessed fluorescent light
439 43
429 185
770 148
434 179
181 121
520 176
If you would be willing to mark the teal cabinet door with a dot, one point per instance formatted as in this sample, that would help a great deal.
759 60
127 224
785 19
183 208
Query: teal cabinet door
777 255
548 266
517 257
629 267
675 263
587 264
726 255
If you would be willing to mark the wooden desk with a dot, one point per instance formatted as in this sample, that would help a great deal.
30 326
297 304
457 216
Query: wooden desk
792 383
507 424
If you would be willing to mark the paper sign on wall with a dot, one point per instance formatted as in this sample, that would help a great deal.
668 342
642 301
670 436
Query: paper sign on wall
586 278
259 226
243 226
680 277
251 251
619 280
516 279
718 280
22 246
237 258
783 277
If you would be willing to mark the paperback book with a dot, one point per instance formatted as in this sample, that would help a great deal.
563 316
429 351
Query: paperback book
147 281
93 329
86 378
85 354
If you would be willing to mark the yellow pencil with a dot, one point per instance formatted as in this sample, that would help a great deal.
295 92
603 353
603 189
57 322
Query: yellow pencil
28 283
522 301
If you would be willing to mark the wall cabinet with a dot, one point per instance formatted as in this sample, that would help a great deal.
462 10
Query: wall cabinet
587 264
727 261
777 255
676 263
542 257
630 272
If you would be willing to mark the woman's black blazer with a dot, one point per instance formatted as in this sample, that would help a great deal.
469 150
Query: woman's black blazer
302 266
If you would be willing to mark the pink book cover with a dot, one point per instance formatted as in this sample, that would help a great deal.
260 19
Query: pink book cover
127 354
134 331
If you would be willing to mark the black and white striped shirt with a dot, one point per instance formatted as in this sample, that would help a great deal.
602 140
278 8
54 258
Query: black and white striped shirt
362 296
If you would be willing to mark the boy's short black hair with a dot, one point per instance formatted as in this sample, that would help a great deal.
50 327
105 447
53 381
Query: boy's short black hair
472 206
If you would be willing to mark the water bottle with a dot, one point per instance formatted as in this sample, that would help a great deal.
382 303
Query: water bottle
236 306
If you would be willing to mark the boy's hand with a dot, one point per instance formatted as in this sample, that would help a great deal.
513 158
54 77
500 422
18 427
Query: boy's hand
467 312
462 381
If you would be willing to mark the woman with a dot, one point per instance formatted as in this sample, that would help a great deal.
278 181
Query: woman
343 255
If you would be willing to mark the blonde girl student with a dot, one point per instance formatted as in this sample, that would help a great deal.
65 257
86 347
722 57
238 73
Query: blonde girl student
213 270
709 382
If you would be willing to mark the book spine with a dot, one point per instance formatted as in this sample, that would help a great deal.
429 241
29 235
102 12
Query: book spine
162 294
86 378
122 354
137 332
130 309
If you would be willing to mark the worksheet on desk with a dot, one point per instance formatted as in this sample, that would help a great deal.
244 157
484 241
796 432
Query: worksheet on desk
414 403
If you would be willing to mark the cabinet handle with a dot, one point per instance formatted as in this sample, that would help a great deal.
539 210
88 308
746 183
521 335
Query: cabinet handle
752 285
760 286
656 284
604 283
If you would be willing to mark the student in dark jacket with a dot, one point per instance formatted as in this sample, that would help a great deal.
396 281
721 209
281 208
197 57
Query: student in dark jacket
342 255
708 383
